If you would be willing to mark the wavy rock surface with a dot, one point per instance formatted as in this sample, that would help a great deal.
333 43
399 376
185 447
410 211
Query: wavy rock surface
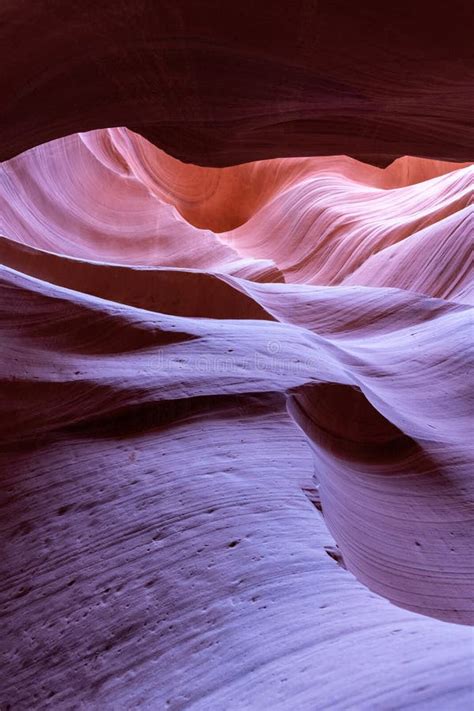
235 427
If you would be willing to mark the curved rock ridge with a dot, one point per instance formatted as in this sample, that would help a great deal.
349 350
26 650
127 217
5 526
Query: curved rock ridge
112 196
61 198
235 431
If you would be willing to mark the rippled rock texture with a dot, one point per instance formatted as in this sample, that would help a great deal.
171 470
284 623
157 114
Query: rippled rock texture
235 410
236 431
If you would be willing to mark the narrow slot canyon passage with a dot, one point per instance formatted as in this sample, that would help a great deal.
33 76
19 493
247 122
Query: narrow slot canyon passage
236 303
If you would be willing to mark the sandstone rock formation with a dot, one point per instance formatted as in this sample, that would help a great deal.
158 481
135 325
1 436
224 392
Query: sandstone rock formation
236 305
217 385
216 85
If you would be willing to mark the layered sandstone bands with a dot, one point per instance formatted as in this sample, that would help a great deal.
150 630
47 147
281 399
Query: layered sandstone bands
198 363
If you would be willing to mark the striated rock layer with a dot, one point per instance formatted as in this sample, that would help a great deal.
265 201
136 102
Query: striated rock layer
235 429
